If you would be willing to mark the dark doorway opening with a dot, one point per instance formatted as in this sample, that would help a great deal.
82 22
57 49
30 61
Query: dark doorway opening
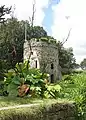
52 78
52 66
36 63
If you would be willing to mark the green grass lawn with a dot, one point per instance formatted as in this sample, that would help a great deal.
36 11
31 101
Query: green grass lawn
8 101
26 112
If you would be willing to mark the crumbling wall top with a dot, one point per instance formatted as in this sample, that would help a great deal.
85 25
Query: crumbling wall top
44 42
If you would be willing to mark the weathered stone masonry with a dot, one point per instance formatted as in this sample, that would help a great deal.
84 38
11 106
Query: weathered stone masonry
48 111
44 56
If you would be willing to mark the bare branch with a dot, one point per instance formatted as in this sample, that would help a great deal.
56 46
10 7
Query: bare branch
65 40
29 20
12 13
31 24
34 10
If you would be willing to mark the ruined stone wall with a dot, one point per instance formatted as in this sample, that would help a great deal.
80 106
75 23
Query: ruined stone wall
46 56
60 112
48 111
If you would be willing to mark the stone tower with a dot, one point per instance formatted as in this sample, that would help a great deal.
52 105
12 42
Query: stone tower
44 56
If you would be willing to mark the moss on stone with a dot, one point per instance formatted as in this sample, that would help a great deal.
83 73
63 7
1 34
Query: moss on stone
45 110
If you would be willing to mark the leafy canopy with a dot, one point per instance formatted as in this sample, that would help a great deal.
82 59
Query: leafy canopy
66 58
3 11
83 64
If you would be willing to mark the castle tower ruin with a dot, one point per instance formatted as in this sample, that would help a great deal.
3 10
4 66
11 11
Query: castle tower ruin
44 57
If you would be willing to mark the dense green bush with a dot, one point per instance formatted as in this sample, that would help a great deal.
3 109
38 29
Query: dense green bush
53 91
23 80
23 76
74 88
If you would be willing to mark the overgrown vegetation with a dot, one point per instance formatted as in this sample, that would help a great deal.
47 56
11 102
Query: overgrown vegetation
45 109
83 64
12 35
74 88
23 80
18 80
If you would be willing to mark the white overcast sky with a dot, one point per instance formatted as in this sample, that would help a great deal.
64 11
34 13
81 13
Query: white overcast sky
23 9
75 9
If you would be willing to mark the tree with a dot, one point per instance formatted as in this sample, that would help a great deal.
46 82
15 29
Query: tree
38 32
77 66
12 34
4 10
34 32
83 64
66 58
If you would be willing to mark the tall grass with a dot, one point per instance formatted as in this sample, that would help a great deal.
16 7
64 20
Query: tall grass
74 88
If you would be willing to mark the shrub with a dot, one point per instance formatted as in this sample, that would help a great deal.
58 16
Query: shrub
16 79
74 88
53 91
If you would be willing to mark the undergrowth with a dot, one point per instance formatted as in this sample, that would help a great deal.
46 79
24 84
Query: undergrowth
74 88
